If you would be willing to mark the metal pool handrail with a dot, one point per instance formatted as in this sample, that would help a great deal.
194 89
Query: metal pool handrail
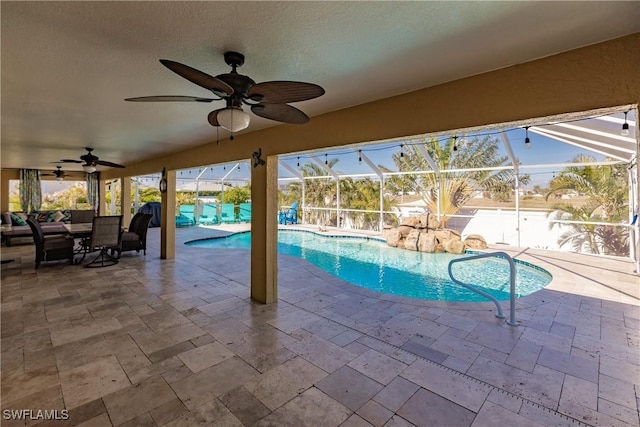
512 282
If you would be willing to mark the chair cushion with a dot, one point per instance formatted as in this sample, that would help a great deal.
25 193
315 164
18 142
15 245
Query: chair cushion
53 228
57 242
18 231
6 218
130 236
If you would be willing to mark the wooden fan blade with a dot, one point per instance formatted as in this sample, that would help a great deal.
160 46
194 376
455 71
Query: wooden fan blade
280 113
70 161
170 98
213 117
283 92
110 164
199 78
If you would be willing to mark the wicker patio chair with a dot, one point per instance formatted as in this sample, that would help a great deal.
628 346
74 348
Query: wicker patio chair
135 239
50 248
105 235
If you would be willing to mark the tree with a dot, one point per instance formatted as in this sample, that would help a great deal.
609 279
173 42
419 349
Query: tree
321 198
185 198
237 195
456 188
364 194
148 194
319 193
605 185
74 197
607 191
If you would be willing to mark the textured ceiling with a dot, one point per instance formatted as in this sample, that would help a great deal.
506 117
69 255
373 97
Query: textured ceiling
67 66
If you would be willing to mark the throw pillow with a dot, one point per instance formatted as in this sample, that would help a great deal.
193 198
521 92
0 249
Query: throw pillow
41 216
22 215
67 215
16 220
58 216
50 216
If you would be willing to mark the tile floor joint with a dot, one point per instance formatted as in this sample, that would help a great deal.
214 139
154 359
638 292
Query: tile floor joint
462 374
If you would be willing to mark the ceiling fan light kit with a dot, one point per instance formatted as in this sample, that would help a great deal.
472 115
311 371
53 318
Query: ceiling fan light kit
233 119
268 99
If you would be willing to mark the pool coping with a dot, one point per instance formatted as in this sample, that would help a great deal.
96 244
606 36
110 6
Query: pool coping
567 279
477 305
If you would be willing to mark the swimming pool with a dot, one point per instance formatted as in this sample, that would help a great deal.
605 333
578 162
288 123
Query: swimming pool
372 264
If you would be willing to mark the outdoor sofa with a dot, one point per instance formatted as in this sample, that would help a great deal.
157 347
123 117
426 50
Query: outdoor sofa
51 222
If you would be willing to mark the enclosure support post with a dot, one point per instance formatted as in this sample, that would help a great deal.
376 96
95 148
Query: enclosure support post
517 187
381 203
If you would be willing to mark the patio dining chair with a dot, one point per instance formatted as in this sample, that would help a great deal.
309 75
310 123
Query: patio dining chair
105 236
135 238
50 248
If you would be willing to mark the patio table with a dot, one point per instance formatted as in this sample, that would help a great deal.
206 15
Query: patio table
3 228
81 231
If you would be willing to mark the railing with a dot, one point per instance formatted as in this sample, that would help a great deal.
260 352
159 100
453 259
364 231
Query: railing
512 282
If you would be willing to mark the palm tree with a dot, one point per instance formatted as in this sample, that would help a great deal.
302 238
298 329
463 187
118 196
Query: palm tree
607 191
363 194
317 193
456 188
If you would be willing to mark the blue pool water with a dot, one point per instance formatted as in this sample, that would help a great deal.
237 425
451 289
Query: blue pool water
374 265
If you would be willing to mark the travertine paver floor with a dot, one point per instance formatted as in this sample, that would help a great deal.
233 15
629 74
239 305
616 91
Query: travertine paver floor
180 343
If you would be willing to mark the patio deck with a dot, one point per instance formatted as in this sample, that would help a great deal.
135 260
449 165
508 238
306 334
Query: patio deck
179 342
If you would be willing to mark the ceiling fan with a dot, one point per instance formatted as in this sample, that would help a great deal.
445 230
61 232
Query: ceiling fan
268 99
58 173
90 161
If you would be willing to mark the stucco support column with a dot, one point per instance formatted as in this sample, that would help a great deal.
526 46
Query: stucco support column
168 219
5 177
4 191
264 231
125 200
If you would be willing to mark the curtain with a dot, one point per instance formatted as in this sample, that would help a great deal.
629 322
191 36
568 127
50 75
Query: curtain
30 190
93 194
